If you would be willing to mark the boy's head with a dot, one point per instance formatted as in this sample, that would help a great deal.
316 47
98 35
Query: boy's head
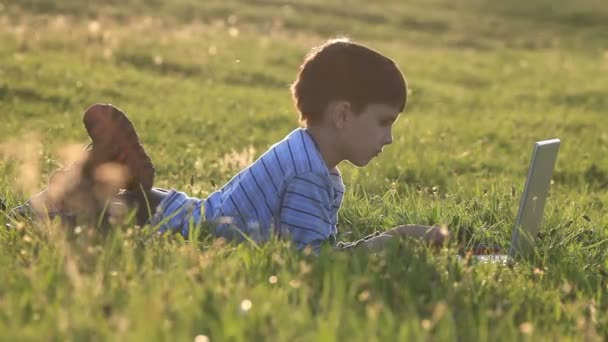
341 70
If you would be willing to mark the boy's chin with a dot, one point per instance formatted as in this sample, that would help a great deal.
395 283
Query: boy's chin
360 163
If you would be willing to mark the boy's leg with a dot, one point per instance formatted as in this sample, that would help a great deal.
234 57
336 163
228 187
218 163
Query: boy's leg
78 189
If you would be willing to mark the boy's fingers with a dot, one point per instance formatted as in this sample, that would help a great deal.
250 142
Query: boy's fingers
439 235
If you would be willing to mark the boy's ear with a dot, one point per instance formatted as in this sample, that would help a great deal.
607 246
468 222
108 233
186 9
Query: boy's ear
340 113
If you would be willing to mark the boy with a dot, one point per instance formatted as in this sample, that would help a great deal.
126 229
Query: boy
348 97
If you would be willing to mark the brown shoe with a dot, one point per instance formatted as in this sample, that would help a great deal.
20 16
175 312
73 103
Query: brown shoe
114 140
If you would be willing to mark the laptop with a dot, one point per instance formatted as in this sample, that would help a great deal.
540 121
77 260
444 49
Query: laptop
532 205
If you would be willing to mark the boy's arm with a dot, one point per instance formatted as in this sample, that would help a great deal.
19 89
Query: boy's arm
433 235
305 214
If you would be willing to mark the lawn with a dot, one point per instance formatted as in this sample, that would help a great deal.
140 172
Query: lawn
206 83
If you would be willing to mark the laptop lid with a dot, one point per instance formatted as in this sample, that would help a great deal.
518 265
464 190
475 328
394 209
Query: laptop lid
534 196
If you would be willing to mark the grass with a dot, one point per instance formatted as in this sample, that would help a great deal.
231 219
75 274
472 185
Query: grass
206 84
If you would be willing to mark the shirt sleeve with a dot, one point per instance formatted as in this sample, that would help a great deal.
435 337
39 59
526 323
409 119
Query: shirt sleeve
306 211
176 212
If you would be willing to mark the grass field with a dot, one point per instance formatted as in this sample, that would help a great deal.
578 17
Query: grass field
206 84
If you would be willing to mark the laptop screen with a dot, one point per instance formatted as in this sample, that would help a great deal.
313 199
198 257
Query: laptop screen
534 196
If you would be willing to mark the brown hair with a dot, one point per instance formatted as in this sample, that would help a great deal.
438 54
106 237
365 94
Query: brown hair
343 70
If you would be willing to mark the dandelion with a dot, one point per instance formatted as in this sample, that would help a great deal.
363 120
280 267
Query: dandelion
246 305
201 338
364 296
526 328
538 272
273 279
94 27
233 32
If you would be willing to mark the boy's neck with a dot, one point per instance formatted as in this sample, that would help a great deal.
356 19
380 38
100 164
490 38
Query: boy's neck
326 143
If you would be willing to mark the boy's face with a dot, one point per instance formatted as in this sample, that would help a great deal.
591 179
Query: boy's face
365 134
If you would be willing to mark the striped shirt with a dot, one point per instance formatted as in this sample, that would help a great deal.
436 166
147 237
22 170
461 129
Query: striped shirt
288 190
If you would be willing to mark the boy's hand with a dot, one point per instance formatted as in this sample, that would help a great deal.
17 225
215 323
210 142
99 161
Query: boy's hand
436 236
377 243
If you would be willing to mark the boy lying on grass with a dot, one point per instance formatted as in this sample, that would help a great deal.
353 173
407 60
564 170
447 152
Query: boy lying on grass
348 97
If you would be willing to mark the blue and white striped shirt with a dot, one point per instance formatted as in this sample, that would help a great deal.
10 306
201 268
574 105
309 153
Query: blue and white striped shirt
288 190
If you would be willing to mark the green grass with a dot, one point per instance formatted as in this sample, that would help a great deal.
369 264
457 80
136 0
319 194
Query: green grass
206 84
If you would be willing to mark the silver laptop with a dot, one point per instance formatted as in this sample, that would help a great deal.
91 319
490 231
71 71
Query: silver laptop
532 205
